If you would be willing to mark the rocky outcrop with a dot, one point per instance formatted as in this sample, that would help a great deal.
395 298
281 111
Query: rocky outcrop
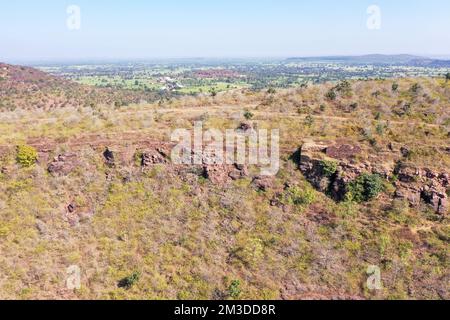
416 185
263 183
331 166
316 165
153 157
223 174
63 164
343 151
75 214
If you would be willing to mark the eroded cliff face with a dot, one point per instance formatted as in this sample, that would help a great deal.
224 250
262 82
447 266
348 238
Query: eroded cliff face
349 161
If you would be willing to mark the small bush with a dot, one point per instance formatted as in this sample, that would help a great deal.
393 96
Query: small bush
329 168
344 87
271 91
331 95
248 115
309 121
299 197
250 251
234 290
365 188
213 92
395 87
415 88
380 129
130 281
26 156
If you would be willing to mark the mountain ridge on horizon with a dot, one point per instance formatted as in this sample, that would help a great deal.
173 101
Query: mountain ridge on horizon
365 59
384 59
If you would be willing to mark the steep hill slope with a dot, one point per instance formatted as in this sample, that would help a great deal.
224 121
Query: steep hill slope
363 183
28 88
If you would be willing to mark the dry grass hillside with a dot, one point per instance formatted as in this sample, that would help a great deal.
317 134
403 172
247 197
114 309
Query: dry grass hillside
364 180
27 88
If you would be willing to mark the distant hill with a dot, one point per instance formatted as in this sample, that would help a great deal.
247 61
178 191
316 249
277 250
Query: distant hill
377 59
28 88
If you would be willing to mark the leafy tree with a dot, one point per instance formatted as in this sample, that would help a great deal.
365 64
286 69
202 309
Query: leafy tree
447 77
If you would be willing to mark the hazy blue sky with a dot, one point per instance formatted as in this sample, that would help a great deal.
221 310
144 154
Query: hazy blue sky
34 30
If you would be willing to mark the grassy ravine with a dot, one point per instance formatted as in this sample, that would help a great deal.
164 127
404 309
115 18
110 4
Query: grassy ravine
155 236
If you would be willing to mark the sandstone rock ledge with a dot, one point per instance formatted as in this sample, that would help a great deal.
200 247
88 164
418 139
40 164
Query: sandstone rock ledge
416 185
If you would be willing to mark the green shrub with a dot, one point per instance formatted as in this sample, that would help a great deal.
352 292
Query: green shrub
248 115
309 121
331 95
130 281
271 91
213 92
250 251
234 290
365 188
344 88
395 87
380 129
378 116
415 88
26 156
329 168
299 197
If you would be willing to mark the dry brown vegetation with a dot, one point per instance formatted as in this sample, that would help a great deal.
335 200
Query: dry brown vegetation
26 88
189 238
